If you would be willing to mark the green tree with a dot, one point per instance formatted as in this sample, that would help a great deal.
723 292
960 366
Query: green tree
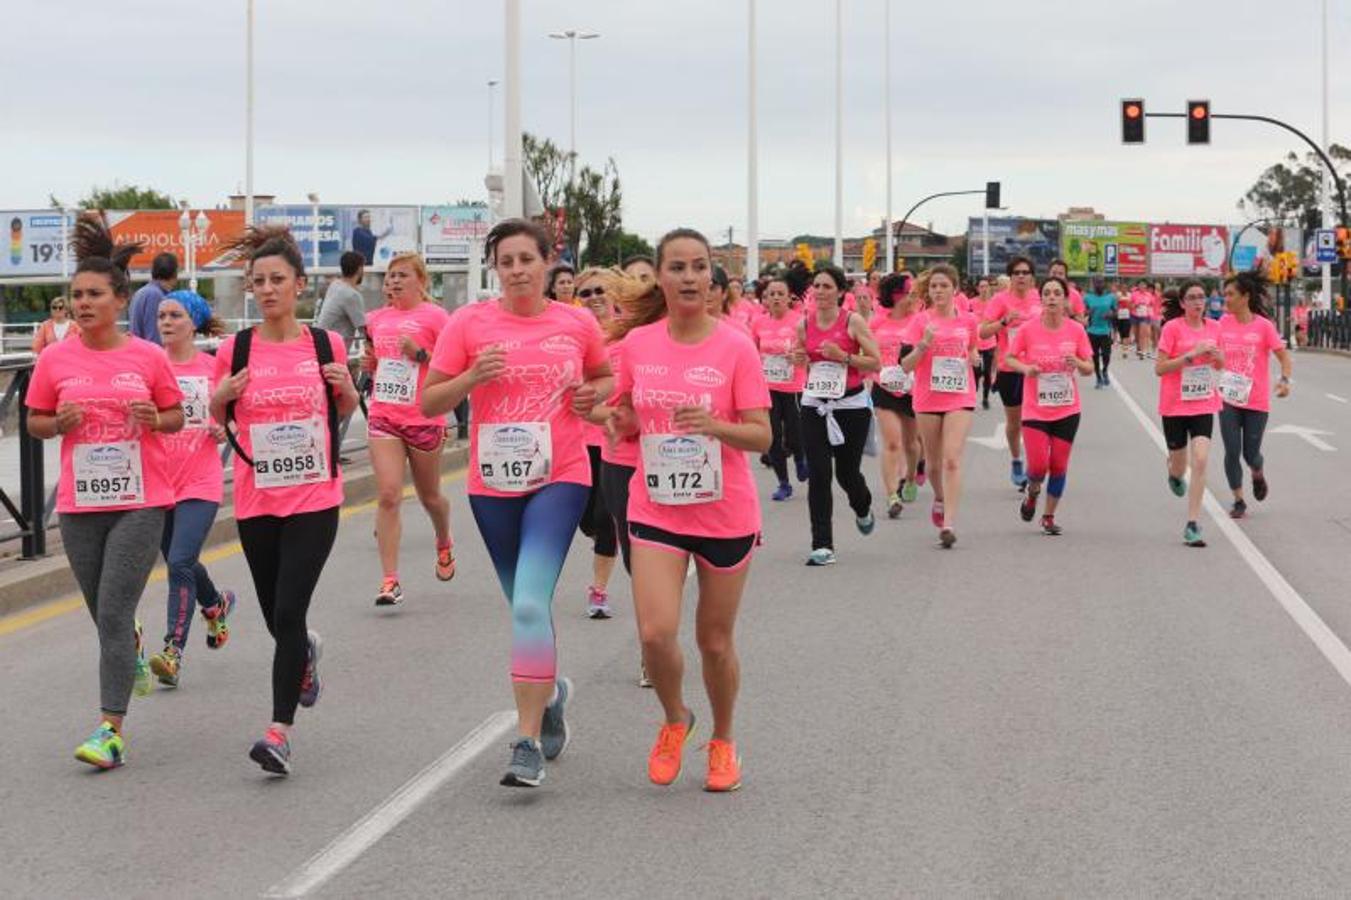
546 165
1292 190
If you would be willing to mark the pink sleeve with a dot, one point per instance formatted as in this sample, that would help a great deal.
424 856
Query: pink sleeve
994 309
164 389
623 376
339 347
1017 344
1274 339
450 358
224 353
1168 340
594 355
41 389
749 388
1083 349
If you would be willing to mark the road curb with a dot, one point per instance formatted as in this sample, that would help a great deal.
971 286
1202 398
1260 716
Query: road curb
43 580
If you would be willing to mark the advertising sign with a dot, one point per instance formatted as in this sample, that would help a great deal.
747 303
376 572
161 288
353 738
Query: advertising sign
1188 251
1108 249
1253 246
376 232
1037 239
159 232
448 230
36 243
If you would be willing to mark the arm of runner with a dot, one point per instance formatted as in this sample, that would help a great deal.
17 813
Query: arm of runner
911 360
751 432
869 359
442 391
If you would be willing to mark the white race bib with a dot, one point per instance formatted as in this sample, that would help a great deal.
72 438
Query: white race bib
827 379
1143 310
515 457
682 468
196 401
395 381
108 474
1235 388
1123 313
289 454
778 369
949 375
1198 382
896 380
1055 389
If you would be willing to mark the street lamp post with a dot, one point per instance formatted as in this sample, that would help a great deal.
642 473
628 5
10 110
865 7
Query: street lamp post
492 91
202 223
512 186
1327 181
839 133
314 231
185 237
752 151
886 103
572 36
248 114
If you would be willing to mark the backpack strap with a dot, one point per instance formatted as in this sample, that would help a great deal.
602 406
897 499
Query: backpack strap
323 352
239 361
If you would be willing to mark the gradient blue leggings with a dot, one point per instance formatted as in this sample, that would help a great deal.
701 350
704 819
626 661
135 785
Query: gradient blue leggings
186 526
528 538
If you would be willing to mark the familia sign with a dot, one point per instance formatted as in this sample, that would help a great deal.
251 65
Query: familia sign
1188 251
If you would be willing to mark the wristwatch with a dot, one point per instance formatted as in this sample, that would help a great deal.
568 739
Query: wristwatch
422 355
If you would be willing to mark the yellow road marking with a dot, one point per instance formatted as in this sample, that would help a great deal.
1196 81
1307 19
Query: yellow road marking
27 619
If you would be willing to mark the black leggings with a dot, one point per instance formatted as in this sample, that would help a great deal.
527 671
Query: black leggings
1102 353
847 459
614 484
1241 430
785 421
986 373
596 521
286 555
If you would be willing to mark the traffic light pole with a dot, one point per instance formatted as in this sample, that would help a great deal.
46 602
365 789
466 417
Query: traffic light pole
900 230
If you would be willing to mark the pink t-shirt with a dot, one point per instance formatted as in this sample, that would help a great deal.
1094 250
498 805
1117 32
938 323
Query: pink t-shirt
193 454
890 334
547 356
1077 307
1024 309
99 457
398 384
838 334
286 403
1177 339
978 308
625 450
593 434
1247 353
776 337
1055 394
954 339
721 372
746 311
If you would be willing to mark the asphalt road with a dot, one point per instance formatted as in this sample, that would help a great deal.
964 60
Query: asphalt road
1107 713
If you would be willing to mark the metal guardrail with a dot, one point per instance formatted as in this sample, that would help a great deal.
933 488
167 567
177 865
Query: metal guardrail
1330 329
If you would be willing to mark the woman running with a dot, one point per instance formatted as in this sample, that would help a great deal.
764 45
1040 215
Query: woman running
1004 314
775 334
285 385
1101 315
1248 337
199 483
597 288
838 348
941 347
641 268
1123 318
562 284
532 370
1051 353
1189 353
892 401
692 388
402 335
109 397
986 374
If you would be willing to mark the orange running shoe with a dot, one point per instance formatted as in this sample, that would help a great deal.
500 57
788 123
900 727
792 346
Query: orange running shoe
445 564
663 763
724 767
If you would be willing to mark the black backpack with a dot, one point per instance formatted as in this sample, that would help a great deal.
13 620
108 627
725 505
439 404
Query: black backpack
323 351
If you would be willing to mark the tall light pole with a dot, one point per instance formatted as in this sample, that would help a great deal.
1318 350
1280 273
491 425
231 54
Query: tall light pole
839 133
572 36
512 186
1328 221
752 151
886 102
492 85
314 230
248 113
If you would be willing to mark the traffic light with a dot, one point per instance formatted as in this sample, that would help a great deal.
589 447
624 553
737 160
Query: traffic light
1343 242
992 195
1198 121
1132 121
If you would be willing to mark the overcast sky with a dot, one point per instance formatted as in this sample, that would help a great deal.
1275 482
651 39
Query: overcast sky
386 102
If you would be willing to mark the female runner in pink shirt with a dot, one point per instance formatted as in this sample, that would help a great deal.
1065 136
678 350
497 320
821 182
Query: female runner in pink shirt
532 370
1050 353
198 479
1189 354
1248 338
775 334
1005 312
691 388
402 335
940 348
979 303
108 397
287 485
892 401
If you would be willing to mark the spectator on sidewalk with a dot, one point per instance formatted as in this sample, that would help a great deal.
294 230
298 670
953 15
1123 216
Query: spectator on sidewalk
343 309
143 319
60 327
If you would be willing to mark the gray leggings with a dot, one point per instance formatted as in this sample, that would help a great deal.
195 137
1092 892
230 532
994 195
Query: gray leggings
111 554
1241 429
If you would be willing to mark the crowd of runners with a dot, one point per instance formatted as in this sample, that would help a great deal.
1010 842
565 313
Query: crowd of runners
629 403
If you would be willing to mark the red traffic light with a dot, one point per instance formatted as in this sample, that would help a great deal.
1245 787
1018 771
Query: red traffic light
1132 110
1133 121
1199 111
1198 121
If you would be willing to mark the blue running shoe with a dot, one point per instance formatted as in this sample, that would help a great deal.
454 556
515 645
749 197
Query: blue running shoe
104 749
553 737
310 686
273 752
866 524
821 556
1017 475
784 491
527 764
1177 485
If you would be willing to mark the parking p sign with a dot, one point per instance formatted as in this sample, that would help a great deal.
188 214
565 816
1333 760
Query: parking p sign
1326 245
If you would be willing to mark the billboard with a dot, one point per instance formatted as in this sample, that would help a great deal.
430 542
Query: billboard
1037 239
1188 251
1108 249
1253 246
448 230
36 242
159 232
376 232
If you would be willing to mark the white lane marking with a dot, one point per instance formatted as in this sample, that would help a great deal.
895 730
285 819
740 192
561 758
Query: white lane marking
997 441
1311 436
1315 628
1338 399
348 846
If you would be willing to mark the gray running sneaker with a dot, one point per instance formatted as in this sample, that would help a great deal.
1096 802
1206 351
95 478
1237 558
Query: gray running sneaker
553 735
527 764
310 687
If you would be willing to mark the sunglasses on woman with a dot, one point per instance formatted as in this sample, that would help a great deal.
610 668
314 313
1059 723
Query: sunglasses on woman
587 293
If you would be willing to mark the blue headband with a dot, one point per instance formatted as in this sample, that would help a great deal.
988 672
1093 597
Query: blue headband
195 304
